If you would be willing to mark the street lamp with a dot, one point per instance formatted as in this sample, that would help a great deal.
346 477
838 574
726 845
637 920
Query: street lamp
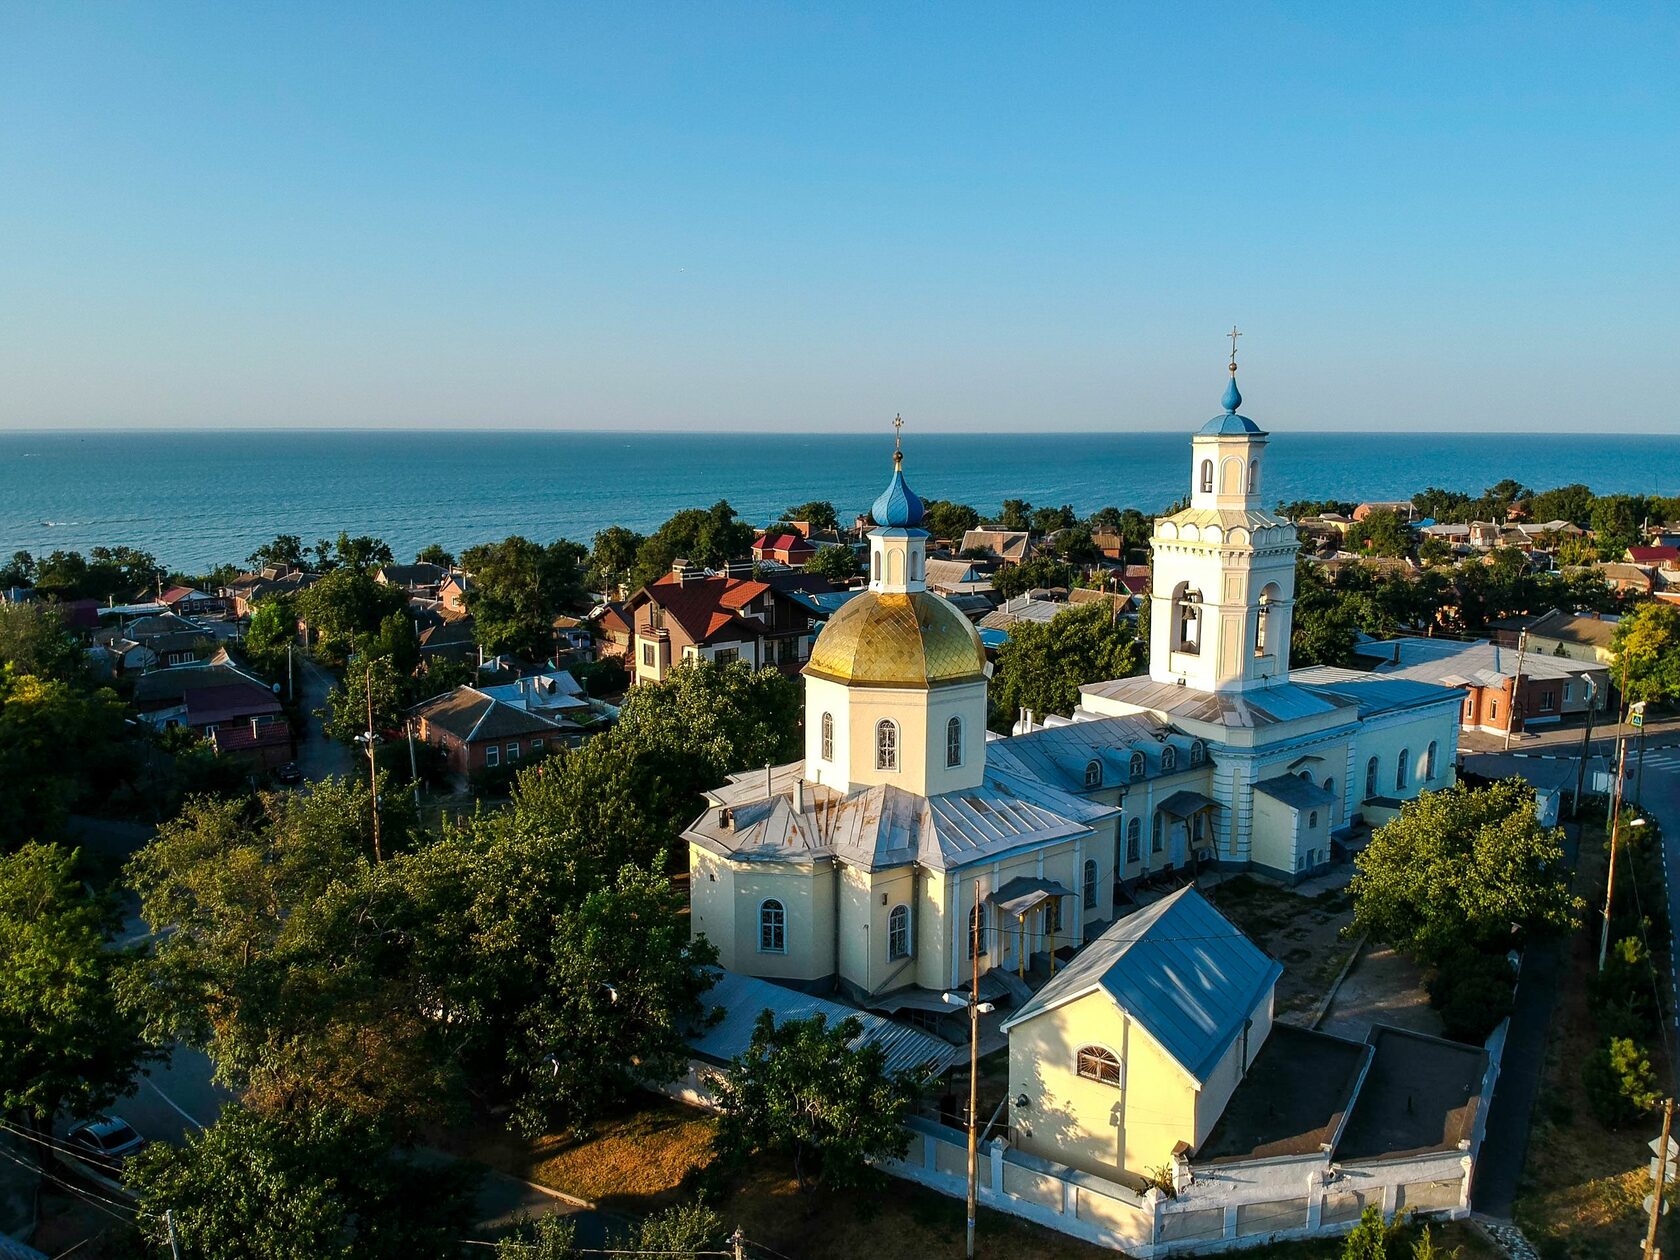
976 1008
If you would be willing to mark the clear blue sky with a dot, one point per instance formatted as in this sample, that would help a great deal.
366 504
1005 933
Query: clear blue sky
757 216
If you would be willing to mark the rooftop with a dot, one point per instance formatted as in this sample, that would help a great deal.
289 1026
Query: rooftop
1420 1094
1293 1100
1452 663
1283 701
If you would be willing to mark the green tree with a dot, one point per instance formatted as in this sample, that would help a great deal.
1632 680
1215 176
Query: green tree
1647 648
58 746
344 606
803 1089
65 1044
818 514
944 519
1041 571
1382 533
34 640
545 1238
314 1186
1575 552
1015 514
1433 550
1076 546
1567 503
18 571
1621 1085
1052 520
724 716
837 564
346 714
1323 630
1615 525
362 553
623 992
682 1230
1371 1238
1463 868
272 630
708 537
286 549
434 553
1044 664
612 558
519 588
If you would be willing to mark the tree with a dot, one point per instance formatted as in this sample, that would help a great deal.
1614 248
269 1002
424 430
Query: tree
1463 868
804 1090
1051 520
1567 503
1041 571
346 716
1615 525
1323 630
1076 545
18 571
314 1186
1621 1085
272 630
434 553
1015 514
34 640
818 514
1370 1239
519 588
1576 552
622 994
1382 533
1044 664
725 716
704 536
944 519
682 1230
612 558
361 553
1433 550
545 1238
837 564
1647 647
344 606
65 1044
286 549
58 745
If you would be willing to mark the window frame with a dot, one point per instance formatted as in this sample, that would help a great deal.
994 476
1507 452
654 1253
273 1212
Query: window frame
1134 839
1403 770
977 943
1104 1064
900 943
886 745
492 756
826 736
953 743
772 929
1139 767
1088 876
1093 773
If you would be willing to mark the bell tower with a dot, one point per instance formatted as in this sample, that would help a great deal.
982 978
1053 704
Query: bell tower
1223 578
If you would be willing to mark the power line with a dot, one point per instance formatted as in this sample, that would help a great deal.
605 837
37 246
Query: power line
91 1200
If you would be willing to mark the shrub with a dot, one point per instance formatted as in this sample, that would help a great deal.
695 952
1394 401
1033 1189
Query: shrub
1369 1239
1472 991
1620 1082
1624 1001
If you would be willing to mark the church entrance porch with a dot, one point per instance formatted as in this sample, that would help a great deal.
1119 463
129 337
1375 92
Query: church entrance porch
1030 921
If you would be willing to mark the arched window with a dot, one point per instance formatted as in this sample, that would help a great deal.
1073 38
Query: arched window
772 928
828 737
1312 819
1371 778
1155 833
1426 771
875 566
1098 1064
953 742
1169 759
1402 769
1305 776
1134 840
1093 774
1207 476
1330 787
915 566
1089 884
977 931
1187 608
886 745
1198 752
898 933
1138 766
1254 476
1260 615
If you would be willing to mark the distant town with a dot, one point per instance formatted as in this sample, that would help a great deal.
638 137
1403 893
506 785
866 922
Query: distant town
1160 884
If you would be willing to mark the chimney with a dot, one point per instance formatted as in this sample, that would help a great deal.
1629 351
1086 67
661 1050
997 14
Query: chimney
1396 653
253 728
799 795
769 790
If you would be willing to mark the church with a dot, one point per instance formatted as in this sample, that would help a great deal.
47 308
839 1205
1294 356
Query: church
908 849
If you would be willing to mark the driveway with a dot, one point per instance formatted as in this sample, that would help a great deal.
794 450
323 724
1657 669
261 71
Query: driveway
317 756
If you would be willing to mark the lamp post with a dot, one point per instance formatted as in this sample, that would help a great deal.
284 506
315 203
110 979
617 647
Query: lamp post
1610 876
976 1008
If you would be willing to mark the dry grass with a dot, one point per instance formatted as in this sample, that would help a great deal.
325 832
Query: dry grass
1582 1184
1302 933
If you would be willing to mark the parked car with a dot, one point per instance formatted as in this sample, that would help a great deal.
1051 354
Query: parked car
289 773
105 1140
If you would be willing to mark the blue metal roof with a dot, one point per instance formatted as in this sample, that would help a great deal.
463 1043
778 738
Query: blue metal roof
1178 967
991 638
1230 423
898 505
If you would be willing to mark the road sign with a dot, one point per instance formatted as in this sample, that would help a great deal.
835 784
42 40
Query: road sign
1670 1174
1636 712
1647 1205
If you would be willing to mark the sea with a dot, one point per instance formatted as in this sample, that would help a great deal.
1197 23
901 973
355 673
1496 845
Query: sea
198 499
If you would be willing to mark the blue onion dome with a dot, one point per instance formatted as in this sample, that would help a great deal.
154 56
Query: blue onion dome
898 507
1232 399
1230 422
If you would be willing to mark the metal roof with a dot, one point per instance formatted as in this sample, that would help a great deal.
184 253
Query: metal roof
1060 754
1179 968
742 998
1283 701
1295 792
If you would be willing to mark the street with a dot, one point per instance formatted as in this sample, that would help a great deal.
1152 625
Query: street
317 756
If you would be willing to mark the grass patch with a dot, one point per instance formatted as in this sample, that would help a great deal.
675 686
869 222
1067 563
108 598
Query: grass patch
1303 933
1582 1185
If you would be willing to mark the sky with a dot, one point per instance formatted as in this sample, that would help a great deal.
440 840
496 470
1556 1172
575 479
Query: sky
802 216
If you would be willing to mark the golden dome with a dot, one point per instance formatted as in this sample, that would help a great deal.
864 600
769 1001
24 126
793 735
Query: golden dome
904 640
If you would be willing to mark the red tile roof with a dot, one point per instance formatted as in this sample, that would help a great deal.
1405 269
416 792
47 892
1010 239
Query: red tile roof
704 607
1653 555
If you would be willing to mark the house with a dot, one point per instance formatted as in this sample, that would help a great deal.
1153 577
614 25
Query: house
449 637
1119 602
1503 688
957 577
188 601
483 727
420 579
270 582
784 547
1021 608
1011 546
235 711
1400 507
1580 636
454 591
1626 579
615 636
685 617
1653 557
157 641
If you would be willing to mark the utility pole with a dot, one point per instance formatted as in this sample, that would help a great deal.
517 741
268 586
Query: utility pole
1621 720
1610 877
973 1068
373 765
413 768
169 1224
1651 1252
291 693
1586 747
1637 713
1516 689
738 1243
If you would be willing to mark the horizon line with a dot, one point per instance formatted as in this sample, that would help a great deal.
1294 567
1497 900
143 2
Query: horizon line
869 432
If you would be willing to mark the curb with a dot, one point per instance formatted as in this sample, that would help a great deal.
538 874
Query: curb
1323 1007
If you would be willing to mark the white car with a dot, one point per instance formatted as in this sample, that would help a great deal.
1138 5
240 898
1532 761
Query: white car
105 1141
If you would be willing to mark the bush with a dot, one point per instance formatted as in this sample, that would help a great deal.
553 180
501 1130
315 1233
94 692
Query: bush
1370 1239
1624 1000
605 677
1620 1082
1472 991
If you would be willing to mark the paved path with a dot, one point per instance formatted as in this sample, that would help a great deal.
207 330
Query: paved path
317 756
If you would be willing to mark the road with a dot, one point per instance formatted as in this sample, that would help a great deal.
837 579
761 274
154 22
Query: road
1508 1121
317 756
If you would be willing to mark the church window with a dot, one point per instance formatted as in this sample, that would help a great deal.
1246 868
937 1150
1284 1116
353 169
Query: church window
875 566
1254 476
828 737
886 745
1401 767
953 742
1330 787
1198 752
1093 774
1155 835
1207 476
1426 771
1187 606
772 928
1370 778
1169 759
1312 819
1100 1065
1090 884
898 933
977 932
1134 840
1138 766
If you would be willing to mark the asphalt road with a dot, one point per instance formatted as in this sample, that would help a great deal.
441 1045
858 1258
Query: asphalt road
317 756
